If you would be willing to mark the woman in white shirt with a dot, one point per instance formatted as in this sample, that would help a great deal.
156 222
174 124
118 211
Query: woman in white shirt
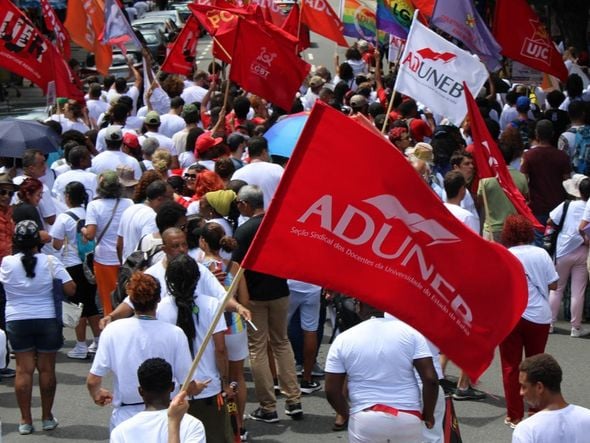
103 216
531 332
34 333
64 233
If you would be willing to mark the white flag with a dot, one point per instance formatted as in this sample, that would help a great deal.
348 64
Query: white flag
432 71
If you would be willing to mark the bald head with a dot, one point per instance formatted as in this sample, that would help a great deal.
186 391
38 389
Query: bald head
174 242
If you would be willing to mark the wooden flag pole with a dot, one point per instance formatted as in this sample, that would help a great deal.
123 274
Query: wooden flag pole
390 106
228 296
222 48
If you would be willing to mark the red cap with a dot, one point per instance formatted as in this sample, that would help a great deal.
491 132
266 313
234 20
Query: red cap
131 140
205 142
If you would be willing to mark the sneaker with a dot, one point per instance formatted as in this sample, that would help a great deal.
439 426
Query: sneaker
448 386
243 434
93 348
267 417
79 352
317 371
25 429
295 411
469 394
50 425
512 423
7 373
308 387
580 332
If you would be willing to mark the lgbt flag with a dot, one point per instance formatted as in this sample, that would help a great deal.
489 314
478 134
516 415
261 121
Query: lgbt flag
395 16
358 18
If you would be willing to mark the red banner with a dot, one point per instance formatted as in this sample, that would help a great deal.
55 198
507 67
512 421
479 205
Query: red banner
28 53
181 58
319 16
299 30
62 38
524 38
389 242
264 66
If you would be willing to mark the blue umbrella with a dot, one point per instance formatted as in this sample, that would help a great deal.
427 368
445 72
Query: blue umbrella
283 135
18 135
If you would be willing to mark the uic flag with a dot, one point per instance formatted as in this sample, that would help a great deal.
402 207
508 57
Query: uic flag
390 242
432 71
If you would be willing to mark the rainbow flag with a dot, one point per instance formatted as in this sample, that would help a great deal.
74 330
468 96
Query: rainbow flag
358 18
395 16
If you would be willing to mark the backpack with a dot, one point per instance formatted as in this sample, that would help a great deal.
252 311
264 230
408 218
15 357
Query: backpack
581 158
83 246
136 261
526 129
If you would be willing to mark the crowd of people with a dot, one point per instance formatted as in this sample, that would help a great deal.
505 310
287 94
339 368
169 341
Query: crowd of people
155 198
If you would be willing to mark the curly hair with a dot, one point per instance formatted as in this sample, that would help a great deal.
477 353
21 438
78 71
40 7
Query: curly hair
517 230
144 291
162 160
511 138
29 186
147 178
173 86
214 235
207 181
182 275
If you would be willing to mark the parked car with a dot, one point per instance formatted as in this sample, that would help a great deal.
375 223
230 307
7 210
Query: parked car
163 24
170 14
182 8
155 41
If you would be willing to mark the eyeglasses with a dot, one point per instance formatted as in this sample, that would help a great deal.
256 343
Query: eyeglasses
190 176
4 192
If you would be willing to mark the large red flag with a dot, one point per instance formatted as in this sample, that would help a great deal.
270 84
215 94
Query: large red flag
181 58
28 53
489 161
264 66
524 38
319 16
221 24
53 24
389 242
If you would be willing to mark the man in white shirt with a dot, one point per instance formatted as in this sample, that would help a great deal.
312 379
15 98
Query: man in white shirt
152 424
119 114
152 124
112 156
455 188
557 421
172 122
463 161
376 359
95 104
79 159
260 171
139 220
196 92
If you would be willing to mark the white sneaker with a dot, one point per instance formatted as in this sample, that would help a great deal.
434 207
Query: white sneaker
579 332
551 328
92 348
79 352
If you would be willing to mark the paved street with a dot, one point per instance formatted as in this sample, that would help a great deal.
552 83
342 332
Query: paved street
82 421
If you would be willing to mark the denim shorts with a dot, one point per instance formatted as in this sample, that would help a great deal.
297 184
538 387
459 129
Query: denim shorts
37 334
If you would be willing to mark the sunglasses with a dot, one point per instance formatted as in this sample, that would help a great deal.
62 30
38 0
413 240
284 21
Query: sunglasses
4 192
190 176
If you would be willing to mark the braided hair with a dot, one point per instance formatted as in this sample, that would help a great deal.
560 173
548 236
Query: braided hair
182 275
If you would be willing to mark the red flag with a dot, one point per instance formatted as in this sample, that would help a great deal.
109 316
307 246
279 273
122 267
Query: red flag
181 58
321 19
52 22
524 38
389 242
489 161
270 11
221 24
425 7
28 53
293 26
265 67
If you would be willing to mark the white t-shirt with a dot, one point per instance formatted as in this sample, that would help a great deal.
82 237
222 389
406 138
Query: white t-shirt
262 174
132 92
29 298
469 204
65 228
464 216
193 94
98 213
96 107
126 344
170 124
569 238
109 160
46 205
165 142
378 357
152 427
179 141
87 178
207 369
540 273
100 141
137 221
568 425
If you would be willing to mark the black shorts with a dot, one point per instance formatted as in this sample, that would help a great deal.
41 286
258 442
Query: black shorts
85 292
36 334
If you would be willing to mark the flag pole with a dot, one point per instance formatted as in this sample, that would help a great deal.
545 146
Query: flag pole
390 106
222 48
220 310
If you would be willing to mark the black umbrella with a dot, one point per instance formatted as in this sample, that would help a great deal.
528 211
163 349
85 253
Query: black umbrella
18 135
